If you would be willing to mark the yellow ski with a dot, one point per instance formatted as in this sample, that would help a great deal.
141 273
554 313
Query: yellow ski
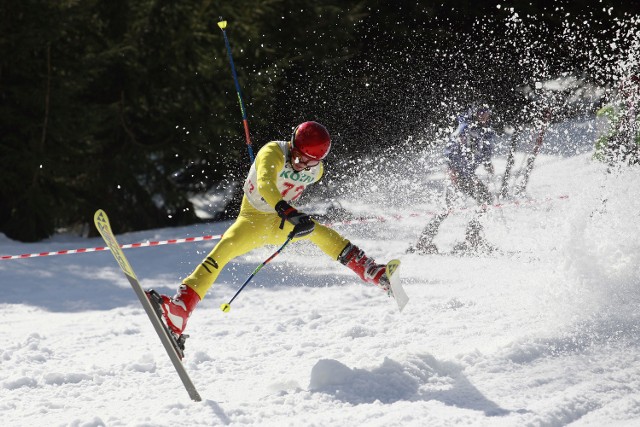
104 227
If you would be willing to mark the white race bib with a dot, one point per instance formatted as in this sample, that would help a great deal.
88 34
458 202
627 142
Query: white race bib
289 182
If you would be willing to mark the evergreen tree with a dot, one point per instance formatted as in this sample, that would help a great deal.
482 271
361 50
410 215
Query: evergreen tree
130 106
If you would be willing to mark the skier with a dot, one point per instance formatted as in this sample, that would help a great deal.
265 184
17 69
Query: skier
469 146
281 172
621 143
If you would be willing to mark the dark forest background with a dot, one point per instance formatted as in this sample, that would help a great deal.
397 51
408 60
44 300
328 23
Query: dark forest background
130 106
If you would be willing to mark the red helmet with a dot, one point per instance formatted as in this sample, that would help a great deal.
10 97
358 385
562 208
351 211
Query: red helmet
311 139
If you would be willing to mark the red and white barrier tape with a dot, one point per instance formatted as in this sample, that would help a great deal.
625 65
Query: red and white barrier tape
104 248
219 236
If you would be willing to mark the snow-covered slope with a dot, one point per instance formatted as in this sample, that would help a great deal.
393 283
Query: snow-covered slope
545 334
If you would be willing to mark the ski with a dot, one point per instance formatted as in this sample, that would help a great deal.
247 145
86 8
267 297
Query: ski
171 343
397 291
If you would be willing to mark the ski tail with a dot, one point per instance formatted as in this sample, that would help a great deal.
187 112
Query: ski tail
393 273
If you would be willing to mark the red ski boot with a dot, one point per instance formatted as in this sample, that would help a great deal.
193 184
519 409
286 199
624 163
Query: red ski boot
176 310
365 267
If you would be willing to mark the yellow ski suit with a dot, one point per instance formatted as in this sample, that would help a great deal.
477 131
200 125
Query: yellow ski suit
270 180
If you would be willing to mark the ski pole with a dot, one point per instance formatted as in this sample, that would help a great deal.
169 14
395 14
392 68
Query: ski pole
227 306
507 172
223 24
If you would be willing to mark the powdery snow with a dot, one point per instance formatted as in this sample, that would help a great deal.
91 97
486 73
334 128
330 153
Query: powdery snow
545 335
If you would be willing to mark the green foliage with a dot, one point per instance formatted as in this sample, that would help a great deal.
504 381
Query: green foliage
620 144
130 106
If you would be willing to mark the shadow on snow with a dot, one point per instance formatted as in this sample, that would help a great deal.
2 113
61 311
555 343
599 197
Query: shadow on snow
422 378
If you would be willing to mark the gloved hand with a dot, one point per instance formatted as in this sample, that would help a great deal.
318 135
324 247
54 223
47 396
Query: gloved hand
302 223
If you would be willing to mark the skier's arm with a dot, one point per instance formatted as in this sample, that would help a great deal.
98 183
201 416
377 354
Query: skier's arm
269 161
302 223
459 135
320 173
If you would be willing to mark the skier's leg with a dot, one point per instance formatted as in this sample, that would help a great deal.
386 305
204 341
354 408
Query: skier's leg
425 244
480 192
327 240
339 248
365 267
246 234
474 234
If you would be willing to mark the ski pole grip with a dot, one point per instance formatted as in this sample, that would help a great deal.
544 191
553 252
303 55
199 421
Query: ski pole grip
284 211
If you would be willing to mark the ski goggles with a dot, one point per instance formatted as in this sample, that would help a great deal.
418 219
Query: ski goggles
298 158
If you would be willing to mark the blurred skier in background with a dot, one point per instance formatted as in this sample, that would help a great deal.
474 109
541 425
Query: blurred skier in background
470 146
281 172
621 143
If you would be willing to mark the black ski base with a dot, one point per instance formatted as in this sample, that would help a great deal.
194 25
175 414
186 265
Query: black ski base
177 340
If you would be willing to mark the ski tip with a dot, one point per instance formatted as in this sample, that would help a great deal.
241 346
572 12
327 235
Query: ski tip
100 215
392 267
